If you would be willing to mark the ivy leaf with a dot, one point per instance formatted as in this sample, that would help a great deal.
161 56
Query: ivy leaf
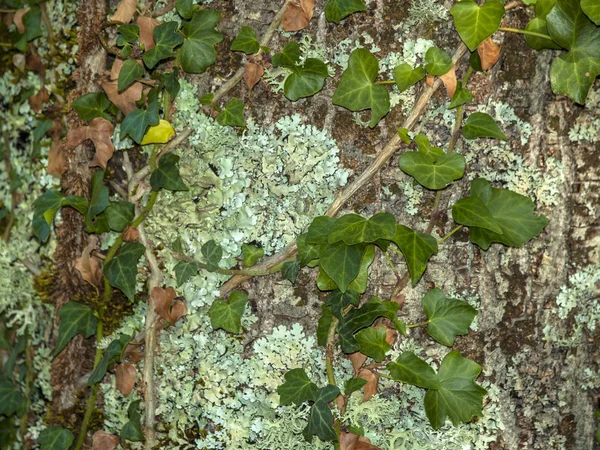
297 388
31 21
357 91
539 25
132 430
228 316
119 215
288 57
354 229
372 342
170 81
417 248
184 271
591 8
246 41
166 38
476 23
47 205
460 97
339 300
213 253
341 262
320 422
198 51
166 175
472 212
130 71
353 385
159 134
11 400
574 72
403 133
112 354
359 284
290 271
232 114
437 61
306 252
405 76
480 125
121 270
448 317
362 317
512 212
336 10
75 318
319 230
184 8
55 438
411 369
433 172
459 398
98 203
137 122
128 33
251 254
305 80
8 431
90 106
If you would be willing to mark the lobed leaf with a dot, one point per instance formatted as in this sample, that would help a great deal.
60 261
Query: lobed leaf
232 114
448 317
480 125
476 23
228 315
320 422
433 172
121 270
166 175
212 253
341 262
354 229
405 76
246 41
336 10
90 106
112 354
130 71
75 318
372 342
198 51
132 430
417 248
166 38
184 271
11 399
55 438
297 388
437 61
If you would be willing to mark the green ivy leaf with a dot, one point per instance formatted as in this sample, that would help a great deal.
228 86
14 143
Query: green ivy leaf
433 172
336 10
320 422
460 97
228 316
170 81
90 106
137 122
32 23
198 51
11 400
476 23
18 348
112 354
372 342
306 252
246 41
43 126
305 80
411 369
437 61
184 271
591 8
353 385
166 38
405 76
290 270
130 72
341 262
75 318
403 133
212 253
166 175
357 91
121 270
339 300
47 205
319 230
512 212
480 125
132 430
362 317
459 398
574 72
288 57
98 203
472 212
55 438
359 284
297 388
232 114
324 325
251 254
355 229
119 215
417 248
8 431
539 25
185 8
128 33
448 317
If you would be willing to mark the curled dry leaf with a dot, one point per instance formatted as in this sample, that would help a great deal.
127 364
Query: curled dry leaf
489 53
164 306
57 161
7 19
147 25
99 132
131 234
297 15
18 20
34 62
429 79
449 80
89 266
252 74
125 11
125 376
370 389
351 441
104 441
36 101
357 359
125 100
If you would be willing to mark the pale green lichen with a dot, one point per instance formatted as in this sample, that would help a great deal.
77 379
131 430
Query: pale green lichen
587 124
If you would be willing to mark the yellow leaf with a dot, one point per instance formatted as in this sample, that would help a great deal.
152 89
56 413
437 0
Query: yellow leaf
159 134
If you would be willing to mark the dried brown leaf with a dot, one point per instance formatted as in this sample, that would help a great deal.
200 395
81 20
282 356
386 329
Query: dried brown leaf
18 20
390 334
100 133
429 79
125 11
34 62
57 161
449 80
125 376
489 53
308 7
147 25
131 234
36 101
357 359
252 74
164 306
104 441
7 19
125 100
370 389
89 266
294 18
351 441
